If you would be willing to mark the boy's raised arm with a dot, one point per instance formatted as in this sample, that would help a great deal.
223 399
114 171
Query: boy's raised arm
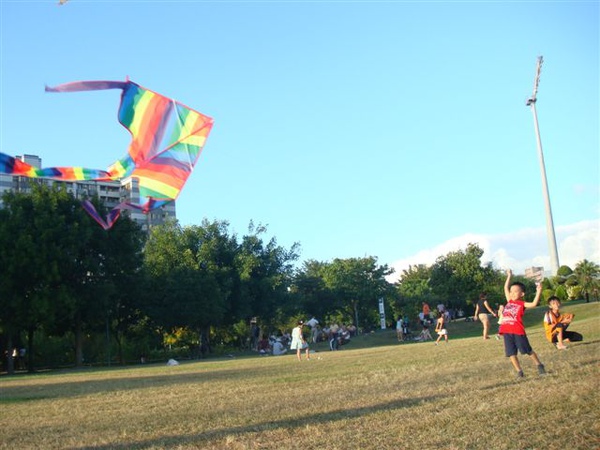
507 284
536 300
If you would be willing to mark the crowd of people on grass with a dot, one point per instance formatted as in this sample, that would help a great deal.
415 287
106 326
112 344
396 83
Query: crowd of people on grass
510 323
300 338
509 318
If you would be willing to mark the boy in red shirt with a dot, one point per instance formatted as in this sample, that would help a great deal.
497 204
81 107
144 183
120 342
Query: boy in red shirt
512 328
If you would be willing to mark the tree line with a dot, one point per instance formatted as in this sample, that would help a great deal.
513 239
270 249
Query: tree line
72 293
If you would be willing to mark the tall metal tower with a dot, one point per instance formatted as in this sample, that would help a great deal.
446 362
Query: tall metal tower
549 222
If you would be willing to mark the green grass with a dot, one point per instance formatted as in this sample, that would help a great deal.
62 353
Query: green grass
373 394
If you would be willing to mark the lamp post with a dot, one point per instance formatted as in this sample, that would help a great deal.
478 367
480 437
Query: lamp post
549 222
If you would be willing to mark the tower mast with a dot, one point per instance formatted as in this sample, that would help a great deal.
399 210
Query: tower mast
549 222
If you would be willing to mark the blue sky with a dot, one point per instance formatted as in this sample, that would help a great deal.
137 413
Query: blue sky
389 129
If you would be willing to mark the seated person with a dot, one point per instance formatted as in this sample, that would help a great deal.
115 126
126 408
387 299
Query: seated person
278 348
264 347
343 335
425 335
556 324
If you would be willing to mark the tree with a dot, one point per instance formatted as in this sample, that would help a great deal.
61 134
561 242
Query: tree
413 288
587 274
358 284
460 276
564 271
265 271
185 289
563 275
119 278
62 270
310 292
41 233
201 277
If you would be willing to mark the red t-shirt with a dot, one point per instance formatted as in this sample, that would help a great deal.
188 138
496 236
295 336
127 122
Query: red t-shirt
512 318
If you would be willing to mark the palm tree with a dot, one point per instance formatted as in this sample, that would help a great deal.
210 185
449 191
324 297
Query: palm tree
588 277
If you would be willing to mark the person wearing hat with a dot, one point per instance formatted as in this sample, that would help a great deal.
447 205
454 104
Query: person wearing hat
298 342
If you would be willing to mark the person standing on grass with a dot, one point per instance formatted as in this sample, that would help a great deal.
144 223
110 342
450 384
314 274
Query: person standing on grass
426 310
425 334
512 328
405 327
440 329
482 311
399 333
298 342
500 310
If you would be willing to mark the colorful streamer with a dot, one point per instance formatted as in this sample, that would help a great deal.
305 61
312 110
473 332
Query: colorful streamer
167 139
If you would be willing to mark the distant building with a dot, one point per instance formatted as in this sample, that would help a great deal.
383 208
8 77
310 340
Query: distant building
111 193
534 273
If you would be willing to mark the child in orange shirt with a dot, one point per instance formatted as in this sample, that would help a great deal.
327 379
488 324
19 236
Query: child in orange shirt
556 324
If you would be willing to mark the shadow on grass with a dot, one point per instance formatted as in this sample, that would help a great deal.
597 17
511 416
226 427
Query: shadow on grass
584 342
316 419
74 388
21 399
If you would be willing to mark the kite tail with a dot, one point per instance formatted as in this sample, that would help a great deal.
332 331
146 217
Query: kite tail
78 86
111 218
13 166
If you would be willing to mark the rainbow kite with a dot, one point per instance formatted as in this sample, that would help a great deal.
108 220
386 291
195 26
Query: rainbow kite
167 139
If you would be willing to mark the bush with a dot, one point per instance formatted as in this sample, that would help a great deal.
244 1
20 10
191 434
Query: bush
574 292
561 293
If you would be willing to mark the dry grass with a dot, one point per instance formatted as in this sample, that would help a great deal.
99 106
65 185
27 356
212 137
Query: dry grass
460 396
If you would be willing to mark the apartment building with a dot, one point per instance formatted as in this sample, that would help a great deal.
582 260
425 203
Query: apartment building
111 193
534 273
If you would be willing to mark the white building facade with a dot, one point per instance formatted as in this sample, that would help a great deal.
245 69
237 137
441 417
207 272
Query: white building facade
110 193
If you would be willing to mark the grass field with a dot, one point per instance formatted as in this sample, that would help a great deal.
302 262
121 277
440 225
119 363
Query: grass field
373 394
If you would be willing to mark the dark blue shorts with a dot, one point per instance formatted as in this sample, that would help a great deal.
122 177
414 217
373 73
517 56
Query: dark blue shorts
514 342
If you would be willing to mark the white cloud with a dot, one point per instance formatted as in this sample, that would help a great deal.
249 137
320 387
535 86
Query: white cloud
519 250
